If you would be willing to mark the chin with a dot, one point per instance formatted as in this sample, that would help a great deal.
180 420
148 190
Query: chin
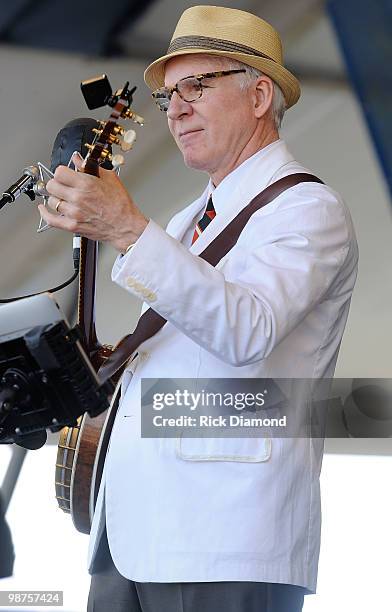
194 161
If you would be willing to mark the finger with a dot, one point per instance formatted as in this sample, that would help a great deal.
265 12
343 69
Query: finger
70 178
58 192
59 221
67 209
78 160
55 203
85 228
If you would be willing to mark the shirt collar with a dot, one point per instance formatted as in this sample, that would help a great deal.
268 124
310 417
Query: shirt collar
251 177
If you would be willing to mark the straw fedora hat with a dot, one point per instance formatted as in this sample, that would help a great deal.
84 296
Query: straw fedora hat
231 33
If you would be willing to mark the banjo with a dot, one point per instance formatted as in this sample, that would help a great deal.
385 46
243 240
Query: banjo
82 448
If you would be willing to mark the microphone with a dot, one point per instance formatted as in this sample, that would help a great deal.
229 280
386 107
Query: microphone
24 184
71 138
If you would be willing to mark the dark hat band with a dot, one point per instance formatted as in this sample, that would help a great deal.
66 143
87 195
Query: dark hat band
215 44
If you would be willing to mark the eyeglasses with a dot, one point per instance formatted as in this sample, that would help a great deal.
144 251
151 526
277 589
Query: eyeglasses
189 88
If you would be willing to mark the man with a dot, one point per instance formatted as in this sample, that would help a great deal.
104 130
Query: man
205 524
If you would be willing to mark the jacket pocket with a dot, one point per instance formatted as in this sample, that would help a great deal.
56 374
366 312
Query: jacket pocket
246 450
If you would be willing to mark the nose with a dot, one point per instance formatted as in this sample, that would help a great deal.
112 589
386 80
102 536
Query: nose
178 107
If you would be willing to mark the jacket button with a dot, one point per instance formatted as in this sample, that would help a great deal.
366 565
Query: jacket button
146 293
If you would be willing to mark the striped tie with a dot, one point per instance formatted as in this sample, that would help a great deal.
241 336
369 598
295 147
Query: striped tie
205 220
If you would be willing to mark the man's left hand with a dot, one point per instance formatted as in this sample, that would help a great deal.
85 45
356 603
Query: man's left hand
97 208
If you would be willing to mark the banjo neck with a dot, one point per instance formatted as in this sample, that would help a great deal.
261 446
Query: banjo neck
87 295
87 283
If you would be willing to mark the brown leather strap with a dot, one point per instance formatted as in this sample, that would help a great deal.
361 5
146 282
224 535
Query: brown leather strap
151 322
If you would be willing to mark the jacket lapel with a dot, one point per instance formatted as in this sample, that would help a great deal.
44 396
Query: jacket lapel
187 217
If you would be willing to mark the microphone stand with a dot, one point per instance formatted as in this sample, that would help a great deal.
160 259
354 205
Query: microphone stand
12 475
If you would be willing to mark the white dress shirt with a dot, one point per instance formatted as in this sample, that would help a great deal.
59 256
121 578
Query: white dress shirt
232 509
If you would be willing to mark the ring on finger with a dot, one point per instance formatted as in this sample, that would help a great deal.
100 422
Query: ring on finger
58 206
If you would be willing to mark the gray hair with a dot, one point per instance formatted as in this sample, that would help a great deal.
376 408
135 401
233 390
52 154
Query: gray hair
278 102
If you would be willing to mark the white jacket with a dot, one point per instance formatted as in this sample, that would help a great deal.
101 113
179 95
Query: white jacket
233 509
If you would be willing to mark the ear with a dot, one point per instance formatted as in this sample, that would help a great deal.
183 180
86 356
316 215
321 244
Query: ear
263 94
